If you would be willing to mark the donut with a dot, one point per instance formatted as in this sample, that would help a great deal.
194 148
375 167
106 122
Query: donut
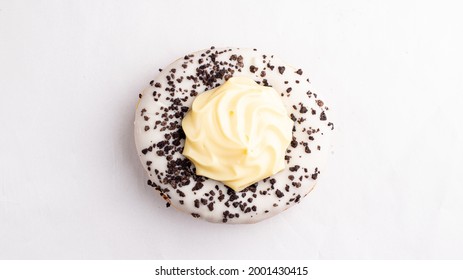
160 139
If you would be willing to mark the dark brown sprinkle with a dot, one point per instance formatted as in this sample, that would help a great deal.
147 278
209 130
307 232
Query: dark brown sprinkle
319 148
331 124
167 204
287 188
158 85
195 215
196 203
281 69
210 206
197 186
273 181
240 61
146 118
250 199
203 201
303 109
221 197
307 150
315 174
299 72
320 103
291 177
147 128
279 194
313 112
294 168
262 74
294 143
180 193
140 95
253 69
181 202
288 90
322 116
275 205
254 208
149 163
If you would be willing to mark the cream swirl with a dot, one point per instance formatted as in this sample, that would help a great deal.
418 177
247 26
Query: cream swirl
237 133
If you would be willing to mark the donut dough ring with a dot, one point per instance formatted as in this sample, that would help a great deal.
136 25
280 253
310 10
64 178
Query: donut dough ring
159 137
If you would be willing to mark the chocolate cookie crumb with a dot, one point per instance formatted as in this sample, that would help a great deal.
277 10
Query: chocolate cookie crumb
322 116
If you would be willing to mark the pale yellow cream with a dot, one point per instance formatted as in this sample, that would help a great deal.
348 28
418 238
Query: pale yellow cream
237 133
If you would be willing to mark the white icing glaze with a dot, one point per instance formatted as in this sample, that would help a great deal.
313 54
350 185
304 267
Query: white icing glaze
166 100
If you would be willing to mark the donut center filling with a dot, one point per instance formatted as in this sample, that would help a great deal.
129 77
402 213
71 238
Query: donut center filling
237 133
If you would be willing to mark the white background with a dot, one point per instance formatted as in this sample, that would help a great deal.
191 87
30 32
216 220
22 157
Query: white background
71 185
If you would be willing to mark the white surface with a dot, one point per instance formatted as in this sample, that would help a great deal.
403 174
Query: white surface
71 185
